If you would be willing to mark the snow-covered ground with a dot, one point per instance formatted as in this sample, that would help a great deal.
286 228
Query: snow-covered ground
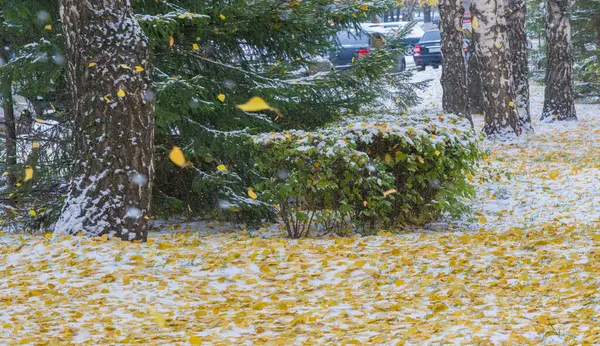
526 274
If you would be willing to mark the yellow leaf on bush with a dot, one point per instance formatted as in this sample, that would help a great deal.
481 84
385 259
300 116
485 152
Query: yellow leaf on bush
437 153
48 27
388 159
388 192
251 193
222 168
28 174
32 212
176 156
171 41
222 16
364 7
195 46
221 97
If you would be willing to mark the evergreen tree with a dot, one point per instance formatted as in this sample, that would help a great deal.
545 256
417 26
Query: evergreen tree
224 53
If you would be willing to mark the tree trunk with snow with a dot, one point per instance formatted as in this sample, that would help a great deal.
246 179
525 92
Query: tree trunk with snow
109 68
558 95
454 76
492 51
474 91
517 37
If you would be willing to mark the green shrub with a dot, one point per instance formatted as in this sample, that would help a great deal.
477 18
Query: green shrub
343 177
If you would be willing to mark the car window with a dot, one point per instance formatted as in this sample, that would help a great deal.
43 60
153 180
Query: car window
347 37
431 36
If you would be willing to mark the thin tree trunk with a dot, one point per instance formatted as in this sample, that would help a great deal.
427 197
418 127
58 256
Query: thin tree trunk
454 74
491 45
558 95
111 186
10 145
517 38
426 14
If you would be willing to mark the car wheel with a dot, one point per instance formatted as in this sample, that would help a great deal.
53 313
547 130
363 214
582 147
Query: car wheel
410 50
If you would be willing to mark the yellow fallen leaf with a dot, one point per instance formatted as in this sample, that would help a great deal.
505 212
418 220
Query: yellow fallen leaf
511 104
28 174
470 177
107 99
48 235
195 46
158 318
222 168
251 193
195 340
125 66
221 97
92 64
482 219
398 283
121 93
553 174
177 157
138 68
388 192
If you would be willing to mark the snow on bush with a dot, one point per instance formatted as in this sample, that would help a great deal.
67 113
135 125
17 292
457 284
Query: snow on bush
364 172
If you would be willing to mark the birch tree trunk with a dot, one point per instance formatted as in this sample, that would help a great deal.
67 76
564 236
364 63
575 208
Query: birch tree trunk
558 95
491 45
454 74
109 68
515 20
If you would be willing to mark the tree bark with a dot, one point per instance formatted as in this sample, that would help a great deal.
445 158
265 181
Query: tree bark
491 46
110 190
10 145
454 74
558 95
517 38
474 91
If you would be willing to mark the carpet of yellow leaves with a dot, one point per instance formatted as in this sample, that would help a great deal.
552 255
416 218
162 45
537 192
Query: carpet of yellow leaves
527 274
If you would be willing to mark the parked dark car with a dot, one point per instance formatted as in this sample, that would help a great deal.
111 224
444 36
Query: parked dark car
428 51
356 45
